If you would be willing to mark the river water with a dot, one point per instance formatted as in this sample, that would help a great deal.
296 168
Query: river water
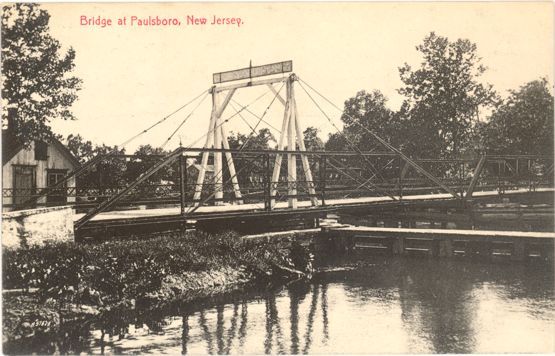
384 305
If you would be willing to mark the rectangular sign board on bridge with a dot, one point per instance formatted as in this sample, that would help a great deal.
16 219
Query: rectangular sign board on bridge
253 72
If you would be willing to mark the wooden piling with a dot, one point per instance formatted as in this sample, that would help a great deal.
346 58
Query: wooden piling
519 250
445 248
399 246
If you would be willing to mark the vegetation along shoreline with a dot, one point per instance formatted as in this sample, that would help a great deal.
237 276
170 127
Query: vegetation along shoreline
92 280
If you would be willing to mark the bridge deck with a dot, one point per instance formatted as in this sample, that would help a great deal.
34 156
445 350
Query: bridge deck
245 208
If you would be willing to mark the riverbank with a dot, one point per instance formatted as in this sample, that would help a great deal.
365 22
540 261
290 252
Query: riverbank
77 281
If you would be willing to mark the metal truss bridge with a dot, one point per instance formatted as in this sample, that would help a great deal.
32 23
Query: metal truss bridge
216 184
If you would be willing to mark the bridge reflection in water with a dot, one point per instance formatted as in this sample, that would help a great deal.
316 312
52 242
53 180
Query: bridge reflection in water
285 333
391 306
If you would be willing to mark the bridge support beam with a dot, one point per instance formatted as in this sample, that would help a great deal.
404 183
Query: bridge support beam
205 154
183 183
277 164
477 171
304 158
166 161
291 158
216 138
519 250
445 248
292 128
218 167
399 246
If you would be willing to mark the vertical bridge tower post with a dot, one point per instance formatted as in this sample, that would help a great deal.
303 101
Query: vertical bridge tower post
217 138
292 132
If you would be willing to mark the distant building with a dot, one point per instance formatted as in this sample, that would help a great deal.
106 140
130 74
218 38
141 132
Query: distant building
26 171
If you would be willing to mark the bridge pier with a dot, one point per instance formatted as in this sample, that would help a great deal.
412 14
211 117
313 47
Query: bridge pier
445 248
519 250
478 249
399 246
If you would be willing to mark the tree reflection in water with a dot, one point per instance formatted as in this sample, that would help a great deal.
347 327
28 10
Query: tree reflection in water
438 309
230 331
409 305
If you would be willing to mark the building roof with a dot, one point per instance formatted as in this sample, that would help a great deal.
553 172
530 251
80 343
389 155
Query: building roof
11 146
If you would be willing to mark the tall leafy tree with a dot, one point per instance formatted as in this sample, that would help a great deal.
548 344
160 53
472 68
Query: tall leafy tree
336 142
311 140
146 157
250 169
523 123
444 96
259 141
110 172
82 149
37 85
365 112
369 110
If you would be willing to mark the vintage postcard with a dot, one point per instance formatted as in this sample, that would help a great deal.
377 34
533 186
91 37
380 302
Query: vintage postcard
277 178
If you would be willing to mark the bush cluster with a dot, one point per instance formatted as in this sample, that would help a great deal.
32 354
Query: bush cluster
112 272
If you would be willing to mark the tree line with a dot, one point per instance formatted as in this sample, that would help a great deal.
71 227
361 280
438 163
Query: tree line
447 111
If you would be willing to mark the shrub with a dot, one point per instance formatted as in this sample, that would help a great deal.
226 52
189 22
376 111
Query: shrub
115 272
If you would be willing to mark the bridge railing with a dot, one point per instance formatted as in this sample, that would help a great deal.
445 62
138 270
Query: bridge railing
334 175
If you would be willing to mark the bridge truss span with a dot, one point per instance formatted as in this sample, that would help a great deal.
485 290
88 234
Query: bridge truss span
220 179
339 181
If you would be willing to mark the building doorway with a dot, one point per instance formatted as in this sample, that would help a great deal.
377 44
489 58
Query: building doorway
24 186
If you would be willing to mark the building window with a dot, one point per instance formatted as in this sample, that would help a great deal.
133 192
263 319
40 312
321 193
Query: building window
58 195
41 151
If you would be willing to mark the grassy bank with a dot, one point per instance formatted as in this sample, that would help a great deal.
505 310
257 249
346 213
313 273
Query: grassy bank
71 279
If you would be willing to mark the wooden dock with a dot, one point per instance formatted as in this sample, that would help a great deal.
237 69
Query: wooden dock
518 245
443 243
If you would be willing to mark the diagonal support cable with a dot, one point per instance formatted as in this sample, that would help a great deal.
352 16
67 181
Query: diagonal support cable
373 176
184 121
168 159
98 158
374 188
373 169
416 166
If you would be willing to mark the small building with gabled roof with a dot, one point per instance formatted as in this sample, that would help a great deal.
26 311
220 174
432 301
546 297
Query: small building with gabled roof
25 170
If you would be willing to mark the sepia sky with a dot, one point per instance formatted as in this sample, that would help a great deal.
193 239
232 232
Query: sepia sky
134 76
